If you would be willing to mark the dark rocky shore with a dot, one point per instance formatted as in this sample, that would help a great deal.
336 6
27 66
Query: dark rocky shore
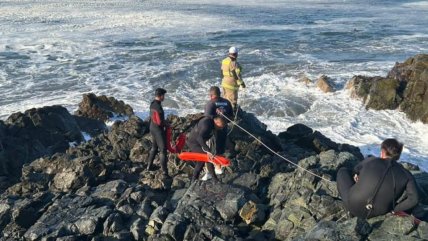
56 186
100 190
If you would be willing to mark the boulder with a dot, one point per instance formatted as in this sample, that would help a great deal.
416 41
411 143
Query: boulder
324 84
413 73
252 212
90 126
102 107
304 137
32 134
405 87
305 80
204 210
70 215
377 93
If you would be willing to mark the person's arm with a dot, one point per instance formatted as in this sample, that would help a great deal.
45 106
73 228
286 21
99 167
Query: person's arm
237 73
204 129
156 118
412 195
209 109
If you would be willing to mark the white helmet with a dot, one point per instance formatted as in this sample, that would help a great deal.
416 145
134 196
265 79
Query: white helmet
233 50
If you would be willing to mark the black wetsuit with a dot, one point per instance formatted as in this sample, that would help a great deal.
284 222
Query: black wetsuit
225 107
370 172
157 130
200 134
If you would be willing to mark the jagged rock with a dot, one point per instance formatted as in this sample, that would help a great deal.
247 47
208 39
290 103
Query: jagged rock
352 230
324 84
69 215
203 210
102 107
91 126
405 86
32 134
248 121
305 80
140 150
145 210
299 200
60 173
252 212
21 214
137 229
124 135
423 230
113 224
156 220
377 93
391 224
111 190
414 73
314 140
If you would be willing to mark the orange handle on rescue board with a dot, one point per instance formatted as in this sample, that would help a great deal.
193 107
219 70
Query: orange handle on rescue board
203 157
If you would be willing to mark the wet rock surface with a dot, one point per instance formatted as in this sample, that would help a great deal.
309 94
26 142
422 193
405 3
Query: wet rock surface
324 83
102 107
101 190
33 134
405 87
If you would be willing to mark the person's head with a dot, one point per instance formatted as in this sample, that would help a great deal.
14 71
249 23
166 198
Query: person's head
214 92
391 149
219 122
160 94
233 52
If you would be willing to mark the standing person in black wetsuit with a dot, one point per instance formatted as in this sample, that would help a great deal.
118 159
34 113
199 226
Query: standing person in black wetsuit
157 130
377 184
205 129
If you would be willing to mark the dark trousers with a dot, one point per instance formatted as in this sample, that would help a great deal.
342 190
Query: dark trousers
159 145
344 182
200 165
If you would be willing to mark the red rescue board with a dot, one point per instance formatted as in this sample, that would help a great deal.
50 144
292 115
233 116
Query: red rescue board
202 157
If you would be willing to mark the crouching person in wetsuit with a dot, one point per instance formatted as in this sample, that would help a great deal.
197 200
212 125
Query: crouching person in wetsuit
157 130
205 129
377 184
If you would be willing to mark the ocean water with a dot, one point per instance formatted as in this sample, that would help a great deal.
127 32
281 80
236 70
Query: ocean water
52 51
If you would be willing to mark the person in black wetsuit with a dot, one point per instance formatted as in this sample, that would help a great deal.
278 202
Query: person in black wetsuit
157 130
214 107
205 129
377 184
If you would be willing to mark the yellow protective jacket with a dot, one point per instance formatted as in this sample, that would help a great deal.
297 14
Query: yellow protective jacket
231 71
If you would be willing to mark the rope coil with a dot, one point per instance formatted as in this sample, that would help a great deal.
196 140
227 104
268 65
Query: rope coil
276 153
